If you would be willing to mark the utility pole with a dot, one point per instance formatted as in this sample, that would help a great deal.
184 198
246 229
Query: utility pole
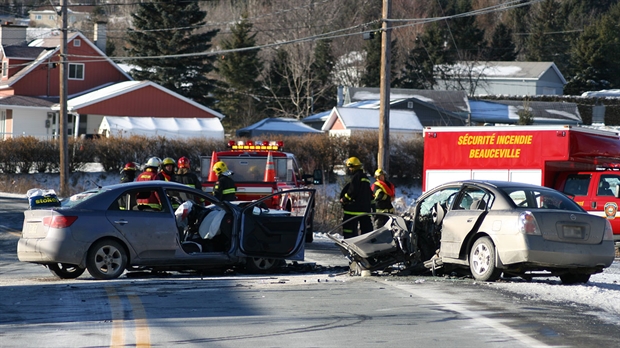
383 158
64 69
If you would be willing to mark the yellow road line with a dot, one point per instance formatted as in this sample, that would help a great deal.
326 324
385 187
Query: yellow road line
116 308
143 335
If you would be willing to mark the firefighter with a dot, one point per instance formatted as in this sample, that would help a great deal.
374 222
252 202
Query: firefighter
128 173
383 195
185 176
166 172
356 199
150 173
224 188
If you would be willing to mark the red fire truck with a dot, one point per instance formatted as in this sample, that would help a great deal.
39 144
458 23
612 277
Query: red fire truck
260 168
579 161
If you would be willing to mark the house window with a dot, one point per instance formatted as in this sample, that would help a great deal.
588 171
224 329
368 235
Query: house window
410 105
2 124
5 69
76 71
37 17
77 43
52 17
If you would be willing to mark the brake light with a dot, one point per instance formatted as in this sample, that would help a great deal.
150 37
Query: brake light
609 233
528 224
59 221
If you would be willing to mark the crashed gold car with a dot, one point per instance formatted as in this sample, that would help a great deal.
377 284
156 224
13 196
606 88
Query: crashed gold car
489 228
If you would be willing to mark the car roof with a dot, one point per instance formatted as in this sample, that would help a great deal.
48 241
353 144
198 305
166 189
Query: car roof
498 184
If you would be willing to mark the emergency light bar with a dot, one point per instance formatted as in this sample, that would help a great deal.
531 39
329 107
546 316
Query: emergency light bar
257 145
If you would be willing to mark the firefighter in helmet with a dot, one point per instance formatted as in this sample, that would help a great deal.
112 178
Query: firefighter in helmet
150 173
224 188
166 172
356 198
185 176
383 195
128 173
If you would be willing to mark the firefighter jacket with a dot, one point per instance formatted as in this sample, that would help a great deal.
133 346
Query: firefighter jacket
356 195
383 194
128 175
189 179
225 188
153 200
165 176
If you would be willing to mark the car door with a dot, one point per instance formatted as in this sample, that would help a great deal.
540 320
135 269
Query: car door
151 233
468 210
275 233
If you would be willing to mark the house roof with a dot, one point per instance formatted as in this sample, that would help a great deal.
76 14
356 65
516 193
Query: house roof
368 119
506 111
29 102
126 87
23 52
171 127
453 101
496 70
280 125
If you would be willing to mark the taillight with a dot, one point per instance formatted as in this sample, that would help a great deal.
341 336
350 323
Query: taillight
609 233
59 221
528 224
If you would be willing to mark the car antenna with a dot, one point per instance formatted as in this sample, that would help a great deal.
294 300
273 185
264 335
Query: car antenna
96 184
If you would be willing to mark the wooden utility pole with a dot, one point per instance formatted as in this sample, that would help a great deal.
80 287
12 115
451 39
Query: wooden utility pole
64 69
383 158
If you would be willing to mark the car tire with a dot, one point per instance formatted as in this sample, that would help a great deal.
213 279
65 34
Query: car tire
107 259
482 260
65 270
262 264
574 278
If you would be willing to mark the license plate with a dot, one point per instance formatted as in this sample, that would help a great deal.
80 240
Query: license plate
574 232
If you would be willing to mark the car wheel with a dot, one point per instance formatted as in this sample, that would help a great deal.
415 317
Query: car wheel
574 278
482 260
65 270
106 259
262 265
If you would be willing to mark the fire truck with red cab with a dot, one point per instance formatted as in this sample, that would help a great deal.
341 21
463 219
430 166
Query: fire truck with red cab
260 168
580 161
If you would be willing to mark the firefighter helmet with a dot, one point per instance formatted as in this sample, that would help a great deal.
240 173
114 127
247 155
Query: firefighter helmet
183 162
353 162
129 166
379 172
153 162
220 167
168 161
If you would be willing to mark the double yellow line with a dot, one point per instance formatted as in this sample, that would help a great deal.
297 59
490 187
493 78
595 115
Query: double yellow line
142 333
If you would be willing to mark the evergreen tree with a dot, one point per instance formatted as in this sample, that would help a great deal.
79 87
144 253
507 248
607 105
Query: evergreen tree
322 89
237 99
502 47
372 71
547 41
467 38
168 27
279 102
595 56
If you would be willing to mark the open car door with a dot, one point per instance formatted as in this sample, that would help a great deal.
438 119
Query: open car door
272 233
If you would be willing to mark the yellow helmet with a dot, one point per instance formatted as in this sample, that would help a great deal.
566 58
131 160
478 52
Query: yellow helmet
353 162
379 172
168 161
220 167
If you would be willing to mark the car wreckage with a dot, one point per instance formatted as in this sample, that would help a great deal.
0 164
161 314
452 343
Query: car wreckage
486 229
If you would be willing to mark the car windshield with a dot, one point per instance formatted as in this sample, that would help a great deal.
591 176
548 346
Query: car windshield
540 199
80 197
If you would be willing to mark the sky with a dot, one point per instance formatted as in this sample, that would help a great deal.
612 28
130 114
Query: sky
601 293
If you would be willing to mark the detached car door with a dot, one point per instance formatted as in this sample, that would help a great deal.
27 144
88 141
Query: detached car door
272 233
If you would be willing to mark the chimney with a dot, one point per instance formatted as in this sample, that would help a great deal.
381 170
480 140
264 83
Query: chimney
340 99
12 35
101 35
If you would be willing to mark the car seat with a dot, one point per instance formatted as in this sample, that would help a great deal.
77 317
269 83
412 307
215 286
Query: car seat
604 189
478 204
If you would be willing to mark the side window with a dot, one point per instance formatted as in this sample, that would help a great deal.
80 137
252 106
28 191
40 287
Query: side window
178 197
139 200
444 197
474 198
577 184
608 185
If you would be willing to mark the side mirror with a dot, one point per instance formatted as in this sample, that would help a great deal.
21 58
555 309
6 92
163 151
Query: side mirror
317 177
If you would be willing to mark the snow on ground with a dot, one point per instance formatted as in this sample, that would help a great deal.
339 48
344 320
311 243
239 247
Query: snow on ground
602 292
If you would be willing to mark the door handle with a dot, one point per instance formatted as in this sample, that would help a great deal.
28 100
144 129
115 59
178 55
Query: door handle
470 220
121 222
593 204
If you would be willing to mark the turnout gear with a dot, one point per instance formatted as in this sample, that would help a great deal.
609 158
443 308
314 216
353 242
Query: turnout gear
356 199
383 195
128 173
225 188
167 172
185 177
150 173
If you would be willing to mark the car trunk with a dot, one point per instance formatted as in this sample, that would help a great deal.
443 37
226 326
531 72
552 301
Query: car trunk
567 227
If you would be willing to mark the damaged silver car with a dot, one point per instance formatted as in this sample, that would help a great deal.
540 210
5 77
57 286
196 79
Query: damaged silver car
489 228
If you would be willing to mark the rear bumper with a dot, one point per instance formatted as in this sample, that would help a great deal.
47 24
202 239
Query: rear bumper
554 255
46 250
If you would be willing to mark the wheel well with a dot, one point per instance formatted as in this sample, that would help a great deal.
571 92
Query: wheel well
119 241
469 242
